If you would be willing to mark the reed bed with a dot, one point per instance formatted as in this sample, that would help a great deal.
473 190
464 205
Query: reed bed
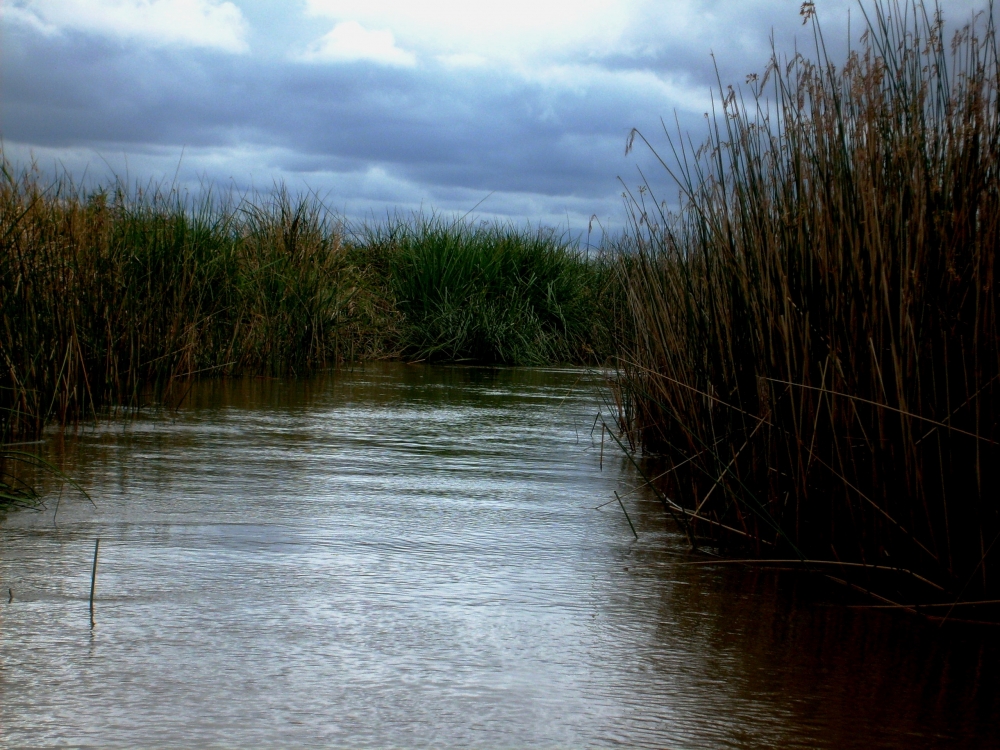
492 292
812 345
114 297
109 296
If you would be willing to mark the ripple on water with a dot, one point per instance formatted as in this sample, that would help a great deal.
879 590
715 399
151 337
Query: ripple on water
409 556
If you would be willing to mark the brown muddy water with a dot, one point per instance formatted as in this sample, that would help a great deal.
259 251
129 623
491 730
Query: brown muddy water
409 556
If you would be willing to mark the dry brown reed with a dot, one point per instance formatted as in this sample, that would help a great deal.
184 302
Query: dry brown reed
814 331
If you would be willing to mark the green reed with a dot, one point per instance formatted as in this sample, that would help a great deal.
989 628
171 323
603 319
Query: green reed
814 331
490 292
115 296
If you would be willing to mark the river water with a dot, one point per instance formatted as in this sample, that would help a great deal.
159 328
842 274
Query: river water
410 556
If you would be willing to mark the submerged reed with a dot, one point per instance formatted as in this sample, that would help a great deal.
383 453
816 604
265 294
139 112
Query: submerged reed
814 342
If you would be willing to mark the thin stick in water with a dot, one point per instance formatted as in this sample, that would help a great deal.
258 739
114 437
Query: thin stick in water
626 514
93 580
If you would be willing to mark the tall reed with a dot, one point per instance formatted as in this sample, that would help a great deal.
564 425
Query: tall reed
113 296
109 295
814 341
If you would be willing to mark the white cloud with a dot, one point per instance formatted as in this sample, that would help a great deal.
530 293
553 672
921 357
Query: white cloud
462 60
349 41
527 32
195 23
506 29
21 17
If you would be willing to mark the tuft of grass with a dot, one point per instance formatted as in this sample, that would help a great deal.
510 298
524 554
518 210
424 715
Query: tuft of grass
16 492
813 340
490 293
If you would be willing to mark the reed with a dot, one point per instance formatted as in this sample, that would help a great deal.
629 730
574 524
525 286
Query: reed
21 475
114 297
490 292
15 491
813 341
109 296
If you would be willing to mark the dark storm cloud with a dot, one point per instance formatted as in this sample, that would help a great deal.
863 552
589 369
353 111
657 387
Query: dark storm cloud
549 138
469 128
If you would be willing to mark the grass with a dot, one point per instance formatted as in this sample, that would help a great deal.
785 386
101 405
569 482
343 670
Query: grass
813 343
19 472
113 297
15 490
490 292
110 295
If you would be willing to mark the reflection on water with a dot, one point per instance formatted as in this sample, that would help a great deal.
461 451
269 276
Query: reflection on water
409 556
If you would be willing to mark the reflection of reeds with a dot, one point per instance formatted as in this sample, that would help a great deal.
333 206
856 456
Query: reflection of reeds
816 328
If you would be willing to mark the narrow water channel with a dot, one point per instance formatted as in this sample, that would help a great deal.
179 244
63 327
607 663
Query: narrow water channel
409 556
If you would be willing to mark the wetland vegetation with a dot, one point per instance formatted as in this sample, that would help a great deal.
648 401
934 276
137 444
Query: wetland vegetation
114 296
807 342
815 344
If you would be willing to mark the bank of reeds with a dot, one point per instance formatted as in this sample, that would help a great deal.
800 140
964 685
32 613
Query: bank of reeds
815 345
115 296
111 295
492 292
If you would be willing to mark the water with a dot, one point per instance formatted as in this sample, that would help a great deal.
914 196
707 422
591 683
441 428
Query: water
409 556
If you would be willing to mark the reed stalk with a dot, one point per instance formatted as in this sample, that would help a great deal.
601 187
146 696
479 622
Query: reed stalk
813 336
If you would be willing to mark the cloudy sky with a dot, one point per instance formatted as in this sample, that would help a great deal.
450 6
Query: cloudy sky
380 105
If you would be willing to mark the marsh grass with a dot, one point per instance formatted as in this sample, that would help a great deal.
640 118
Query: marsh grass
115 297
814 342
111 296
15 490
490 292
19 475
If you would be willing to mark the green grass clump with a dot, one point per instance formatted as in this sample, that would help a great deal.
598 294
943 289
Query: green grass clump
490 293
815 346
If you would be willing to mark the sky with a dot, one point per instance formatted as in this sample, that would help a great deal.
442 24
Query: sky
516 110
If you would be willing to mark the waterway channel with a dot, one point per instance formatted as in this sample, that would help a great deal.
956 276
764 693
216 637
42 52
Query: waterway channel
410 556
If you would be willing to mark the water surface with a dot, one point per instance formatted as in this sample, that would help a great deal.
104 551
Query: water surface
410 556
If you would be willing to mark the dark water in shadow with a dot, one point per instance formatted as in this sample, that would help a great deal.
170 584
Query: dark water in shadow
409 556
